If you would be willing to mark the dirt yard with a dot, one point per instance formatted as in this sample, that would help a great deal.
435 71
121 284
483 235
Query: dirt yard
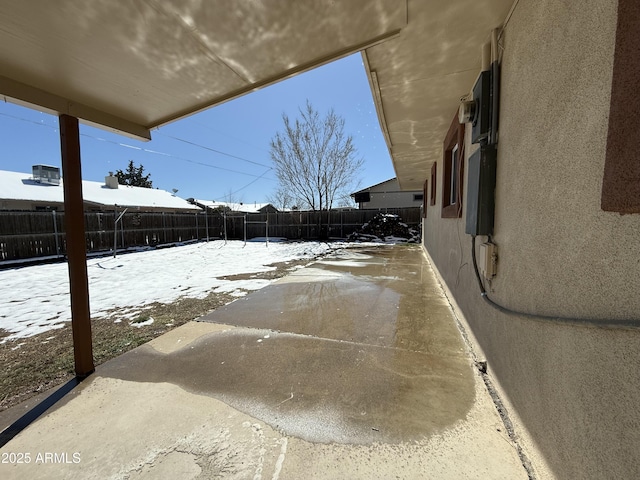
35 364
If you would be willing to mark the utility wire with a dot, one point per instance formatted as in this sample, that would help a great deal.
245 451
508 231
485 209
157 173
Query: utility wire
214 150
250 183
220 132
28 121
156 152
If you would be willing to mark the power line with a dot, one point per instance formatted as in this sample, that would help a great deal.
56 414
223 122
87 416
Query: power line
250 183
28 121
229 136
156 152
214 150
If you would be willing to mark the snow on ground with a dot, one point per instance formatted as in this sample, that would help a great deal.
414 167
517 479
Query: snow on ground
36 298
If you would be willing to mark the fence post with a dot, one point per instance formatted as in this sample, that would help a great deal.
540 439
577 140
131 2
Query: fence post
244 227
206 221
224 219
55 232
164 228
115 230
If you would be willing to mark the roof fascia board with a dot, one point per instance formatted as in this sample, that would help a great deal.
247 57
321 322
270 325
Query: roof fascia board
31 97
282 76
377 99
366 189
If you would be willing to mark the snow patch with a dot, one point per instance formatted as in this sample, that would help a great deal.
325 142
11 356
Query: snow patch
37 297
142 324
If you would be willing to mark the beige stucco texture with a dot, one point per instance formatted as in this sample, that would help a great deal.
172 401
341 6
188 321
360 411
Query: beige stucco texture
559 253
573 387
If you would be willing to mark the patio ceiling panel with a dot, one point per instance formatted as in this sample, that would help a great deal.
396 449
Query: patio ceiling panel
421 75
133 65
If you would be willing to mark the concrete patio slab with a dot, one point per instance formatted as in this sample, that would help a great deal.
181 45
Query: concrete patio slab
352 368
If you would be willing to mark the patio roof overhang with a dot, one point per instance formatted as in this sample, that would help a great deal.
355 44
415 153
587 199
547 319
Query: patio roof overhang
133 65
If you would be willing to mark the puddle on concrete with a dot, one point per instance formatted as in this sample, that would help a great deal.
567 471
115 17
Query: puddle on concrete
359 355
315 389
381 304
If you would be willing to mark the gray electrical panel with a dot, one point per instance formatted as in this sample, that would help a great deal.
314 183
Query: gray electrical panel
480 124
481 180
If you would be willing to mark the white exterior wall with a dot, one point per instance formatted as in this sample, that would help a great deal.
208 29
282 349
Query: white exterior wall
389 195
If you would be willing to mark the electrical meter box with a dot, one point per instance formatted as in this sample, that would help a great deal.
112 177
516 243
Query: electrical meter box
480 124
481 179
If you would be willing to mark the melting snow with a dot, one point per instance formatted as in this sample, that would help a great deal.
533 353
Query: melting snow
36 298
143 324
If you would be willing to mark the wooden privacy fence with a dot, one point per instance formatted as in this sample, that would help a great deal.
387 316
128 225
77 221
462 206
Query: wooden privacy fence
26 234
337 223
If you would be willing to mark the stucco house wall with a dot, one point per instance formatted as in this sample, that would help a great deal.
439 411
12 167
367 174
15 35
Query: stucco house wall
571 382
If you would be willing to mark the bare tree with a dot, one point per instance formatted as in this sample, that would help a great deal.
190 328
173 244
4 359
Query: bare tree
315 160
346 200
281 199
232 199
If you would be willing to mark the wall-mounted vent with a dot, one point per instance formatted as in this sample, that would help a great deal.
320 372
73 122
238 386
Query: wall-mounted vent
46 174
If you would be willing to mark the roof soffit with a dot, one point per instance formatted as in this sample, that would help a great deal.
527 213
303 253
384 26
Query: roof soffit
422 74
143 63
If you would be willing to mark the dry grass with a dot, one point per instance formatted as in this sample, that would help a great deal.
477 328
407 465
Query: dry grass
35 364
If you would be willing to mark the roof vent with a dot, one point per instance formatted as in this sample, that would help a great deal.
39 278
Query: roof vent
111 181
46 174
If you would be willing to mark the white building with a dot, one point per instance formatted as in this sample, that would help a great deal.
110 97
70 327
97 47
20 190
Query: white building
387 194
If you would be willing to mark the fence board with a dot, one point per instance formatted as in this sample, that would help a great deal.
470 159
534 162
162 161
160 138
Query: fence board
40 234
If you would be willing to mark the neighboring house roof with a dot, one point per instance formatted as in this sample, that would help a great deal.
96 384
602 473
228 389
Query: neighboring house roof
387 194
380 187
21 186
234 206
367 189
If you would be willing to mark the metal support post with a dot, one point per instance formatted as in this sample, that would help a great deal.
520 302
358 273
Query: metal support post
55 232
244 228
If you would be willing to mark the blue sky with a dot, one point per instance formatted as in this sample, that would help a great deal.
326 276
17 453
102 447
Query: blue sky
181 155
